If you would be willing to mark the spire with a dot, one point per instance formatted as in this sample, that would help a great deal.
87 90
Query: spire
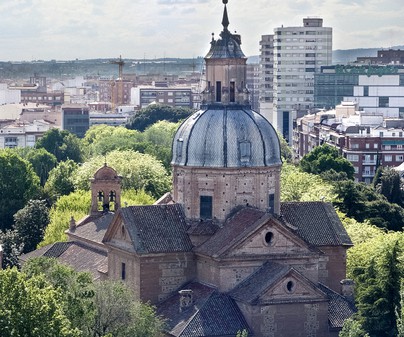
225 21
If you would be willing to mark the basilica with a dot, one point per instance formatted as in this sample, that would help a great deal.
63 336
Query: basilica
220 253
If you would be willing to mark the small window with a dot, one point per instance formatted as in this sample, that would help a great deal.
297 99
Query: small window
269 238
205 207
290 286
271 203
245 151
123 271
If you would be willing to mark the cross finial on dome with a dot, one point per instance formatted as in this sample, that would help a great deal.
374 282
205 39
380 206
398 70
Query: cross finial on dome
225 21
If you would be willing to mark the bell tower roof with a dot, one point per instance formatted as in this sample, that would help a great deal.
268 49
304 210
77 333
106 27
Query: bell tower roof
228 45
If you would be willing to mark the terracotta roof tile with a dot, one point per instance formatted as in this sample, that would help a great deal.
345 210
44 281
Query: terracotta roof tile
339 308
252 288
317 223
93 228
212 314
232 230
157 228
75 254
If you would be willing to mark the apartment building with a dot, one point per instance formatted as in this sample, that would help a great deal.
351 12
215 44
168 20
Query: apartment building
266 93
178 96
76 119
366 139
299 52
375 88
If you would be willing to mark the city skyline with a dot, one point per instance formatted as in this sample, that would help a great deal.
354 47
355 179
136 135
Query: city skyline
49 29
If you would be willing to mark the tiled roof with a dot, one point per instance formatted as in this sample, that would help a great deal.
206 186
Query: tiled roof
93 228
157 228
339 308
202 227
212 314
75 254
233 229
317 223
252 288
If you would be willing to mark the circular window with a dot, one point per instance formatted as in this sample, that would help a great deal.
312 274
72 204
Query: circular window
269 238
290 286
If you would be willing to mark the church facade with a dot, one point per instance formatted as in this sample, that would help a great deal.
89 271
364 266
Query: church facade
220 253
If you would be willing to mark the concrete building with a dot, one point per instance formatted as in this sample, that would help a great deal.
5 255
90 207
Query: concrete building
118 92
76 119
299 52
23 134
8 96
266 95
366 139
388 56
253 84
162 93
376 88
220 253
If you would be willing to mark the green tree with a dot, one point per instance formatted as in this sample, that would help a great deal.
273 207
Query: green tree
61 179
389 185
323 158
400 313
301 186
30 306
62 144
18 184
76 288
154 113
352 328
77 204
139 172
102 139
118 314
30 223
286 150
12 248
377 274
41 160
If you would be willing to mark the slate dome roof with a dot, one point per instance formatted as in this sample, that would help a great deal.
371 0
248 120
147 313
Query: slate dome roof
226 136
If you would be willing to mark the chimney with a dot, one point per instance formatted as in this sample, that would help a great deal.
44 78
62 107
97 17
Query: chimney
186 299
348 289
72 225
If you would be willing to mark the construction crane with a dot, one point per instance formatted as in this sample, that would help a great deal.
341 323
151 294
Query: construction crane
119 89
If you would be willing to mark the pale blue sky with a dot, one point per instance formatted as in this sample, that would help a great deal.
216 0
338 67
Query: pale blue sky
69 29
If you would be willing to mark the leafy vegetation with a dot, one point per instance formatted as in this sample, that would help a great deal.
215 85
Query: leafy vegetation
155 113
323 158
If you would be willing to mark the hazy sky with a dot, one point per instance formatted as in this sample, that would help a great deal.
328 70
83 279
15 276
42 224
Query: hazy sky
70 29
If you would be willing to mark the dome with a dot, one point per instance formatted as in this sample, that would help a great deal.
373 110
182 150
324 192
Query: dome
106 173
226 136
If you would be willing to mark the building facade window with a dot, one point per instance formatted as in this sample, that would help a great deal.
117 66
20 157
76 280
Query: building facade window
123 271
388 157
206 206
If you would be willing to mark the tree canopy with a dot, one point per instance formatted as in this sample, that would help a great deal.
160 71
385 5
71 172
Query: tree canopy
61 179
323 158
139 172
62 144
157 112
18 184
30 306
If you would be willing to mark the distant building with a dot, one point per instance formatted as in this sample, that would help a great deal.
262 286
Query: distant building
376 88
118 92
266 94
388 56
178 96
76 119
108 119
298 53
8 96
366 139
23 134
253 84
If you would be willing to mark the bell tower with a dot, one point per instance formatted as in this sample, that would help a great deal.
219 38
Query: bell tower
105 191
226 68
